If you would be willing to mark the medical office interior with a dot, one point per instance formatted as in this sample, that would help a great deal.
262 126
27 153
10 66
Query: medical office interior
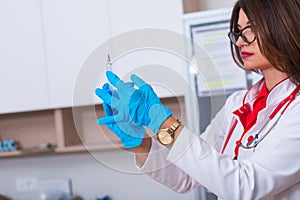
43 45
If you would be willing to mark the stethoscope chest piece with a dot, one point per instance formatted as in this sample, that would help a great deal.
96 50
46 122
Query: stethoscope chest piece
250 140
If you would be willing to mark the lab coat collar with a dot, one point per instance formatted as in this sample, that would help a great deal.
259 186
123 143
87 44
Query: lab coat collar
276 95
253 92
280 92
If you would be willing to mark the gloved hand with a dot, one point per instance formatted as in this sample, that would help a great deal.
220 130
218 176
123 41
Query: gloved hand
130 135
139 106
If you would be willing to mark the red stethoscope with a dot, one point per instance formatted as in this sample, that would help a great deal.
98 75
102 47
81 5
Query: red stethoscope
252 142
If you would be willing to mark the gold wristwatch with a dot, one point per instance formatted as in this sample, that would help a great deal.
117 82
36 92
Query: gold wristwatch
166 135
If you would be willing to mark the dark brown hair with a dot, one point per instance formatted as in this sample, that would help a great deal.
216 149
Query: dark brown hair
277 25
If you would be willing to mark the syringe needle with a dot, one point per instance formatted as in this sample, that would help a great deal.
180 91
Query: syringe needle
108 63
108 67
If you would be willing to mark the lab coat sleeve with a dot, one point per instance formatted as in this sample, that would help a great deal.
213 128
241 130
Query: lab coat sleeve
165 172
273 167
216 131
159 168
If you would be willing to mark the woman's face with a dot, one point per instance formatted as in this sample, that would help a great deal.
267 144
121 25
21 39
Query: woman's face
252 57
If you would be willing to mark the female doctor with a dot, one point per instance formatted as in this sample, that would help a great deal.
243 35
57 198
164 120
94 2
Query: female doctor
250 150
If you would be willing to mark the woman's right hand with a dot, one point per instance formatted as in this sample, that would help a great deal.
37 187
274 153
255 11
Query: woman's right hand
140 106
130 135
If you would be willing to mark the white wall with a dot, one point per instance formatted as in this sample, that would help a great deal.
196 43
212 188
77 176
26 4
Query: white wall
90 178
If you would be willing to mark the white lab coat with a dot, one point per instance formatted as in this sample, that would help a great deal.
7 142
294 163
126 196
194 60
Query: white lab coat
272 171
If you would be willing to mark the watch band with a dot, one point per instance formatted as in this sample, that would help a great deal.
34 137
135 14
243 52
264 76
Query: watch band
174 127
166 136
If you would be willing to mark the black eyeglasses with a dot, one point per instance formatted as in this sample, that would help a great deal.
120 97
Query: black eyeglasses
246 34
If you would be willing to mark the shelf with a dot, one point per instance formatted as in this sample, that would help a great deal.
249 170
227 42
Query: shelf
78 127
10 154
25 153
65 130
80 148
28 129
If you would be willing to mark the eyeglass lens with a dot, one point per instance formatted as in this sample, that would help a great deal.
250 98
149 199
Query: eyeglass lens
246 34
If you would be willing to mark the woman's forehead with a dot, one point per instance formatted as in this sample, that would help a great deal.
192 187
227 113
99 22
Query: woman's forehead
243 19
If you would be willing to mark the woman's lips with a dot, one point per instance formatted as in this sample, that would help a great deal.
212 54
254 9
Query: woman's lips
246 54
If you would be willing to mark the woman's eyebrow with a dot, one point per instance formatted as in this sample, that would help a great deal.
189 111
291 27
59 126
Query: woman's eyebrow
241 27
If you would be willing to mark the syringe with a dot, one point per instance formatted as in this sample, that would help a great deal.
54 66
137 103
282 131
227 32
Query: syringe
109 68
108 63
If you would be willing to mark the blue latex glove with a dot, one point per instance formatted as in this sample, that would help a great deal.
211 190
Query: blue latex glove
139 106
130 135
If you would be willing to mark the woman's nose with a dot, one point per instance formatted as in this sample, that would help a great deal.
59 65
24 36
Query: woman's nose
240 42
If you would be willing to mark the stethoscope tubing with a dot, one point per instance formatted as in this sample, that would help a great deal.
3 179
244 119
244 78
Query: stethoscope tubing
255 143
287 101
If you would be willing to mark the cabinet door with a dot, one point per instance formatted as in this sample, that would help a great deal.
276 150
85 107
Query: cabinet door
146 50
22 65
73 29
134 14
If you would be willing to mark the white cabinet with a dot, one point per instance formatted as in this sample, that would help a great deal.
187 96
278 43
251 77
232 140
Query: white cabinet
44 44
73 29
163 69
135 14
23 83
144 42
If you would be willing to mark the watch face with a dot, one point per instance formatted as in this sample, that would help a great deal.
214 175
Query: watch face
164 137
